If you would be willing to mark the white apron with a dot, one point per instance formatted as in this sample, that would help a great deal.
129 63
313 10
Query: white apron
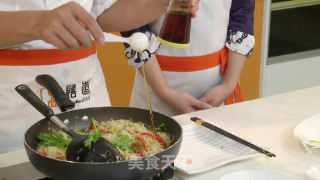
81 79
208 35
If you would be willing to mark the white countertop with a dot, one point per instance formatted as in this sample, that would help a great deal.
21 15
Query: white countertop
268 121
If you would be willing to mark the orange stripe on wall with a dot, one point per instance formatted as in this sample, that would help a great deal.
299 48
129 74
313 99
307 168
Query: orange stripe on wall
119 76
250 77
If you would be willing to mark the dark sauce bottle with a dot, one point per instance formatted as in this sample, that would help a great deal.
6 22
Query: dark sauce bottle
176 27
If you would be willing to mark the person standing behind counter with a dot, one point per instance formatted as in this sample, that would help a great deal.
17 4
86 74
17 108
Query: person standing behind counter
34 39
204 75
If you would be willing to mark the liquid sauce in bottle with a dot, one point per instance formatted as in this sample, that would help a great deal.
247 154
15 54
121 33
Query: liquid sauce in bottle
148 94
176 27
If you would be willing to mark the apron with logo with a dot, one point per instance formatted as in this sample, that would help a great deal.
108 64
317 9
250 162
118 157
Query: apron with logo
77 71
198 68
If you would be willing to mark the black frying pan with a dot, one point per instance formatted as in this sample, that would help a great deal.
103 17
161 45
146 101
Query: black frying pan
81 119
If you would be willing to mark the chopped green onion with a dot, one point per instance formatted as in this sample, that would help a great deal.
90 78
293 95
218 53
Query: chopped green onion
161 127
314 141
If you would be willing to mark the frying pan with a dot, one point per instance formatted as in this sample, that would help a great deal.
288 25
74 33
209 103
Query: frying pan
123 170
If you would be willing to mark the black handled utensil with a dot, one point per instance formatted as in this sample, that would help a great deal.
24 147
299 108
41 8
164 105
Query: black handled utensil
100 151
57 92
231 136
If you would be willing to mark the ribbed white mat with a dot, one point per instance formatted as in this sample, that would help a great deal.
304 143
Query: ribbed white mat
202 150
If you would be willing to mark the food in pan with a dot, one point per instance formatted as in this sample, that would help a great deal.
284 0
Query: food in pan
53 144
133 140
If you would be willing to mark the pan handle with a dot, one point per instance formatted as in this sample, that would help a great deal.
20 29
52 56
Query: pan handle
46 111
33 99
55 89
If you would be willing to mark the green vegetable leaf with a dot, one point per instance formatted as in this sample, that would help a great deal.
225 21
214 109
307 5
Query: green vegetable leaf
106 127
94 135
57 139
84 133
314 141
122 142
161 127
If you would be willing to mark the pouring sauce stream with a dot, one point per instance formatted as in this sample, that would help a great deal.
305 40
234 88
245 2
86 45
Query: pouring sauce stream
148 94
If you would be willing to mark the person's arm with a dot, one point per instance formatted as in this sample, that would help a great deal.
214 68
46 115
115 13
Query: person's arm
16 27
125 15
65 27
180 101
218 94
240 42
241 28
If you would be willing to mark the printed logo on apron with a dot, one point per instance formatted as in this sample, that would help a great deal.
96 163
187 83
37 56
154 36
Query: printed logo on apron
78 93
47 98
